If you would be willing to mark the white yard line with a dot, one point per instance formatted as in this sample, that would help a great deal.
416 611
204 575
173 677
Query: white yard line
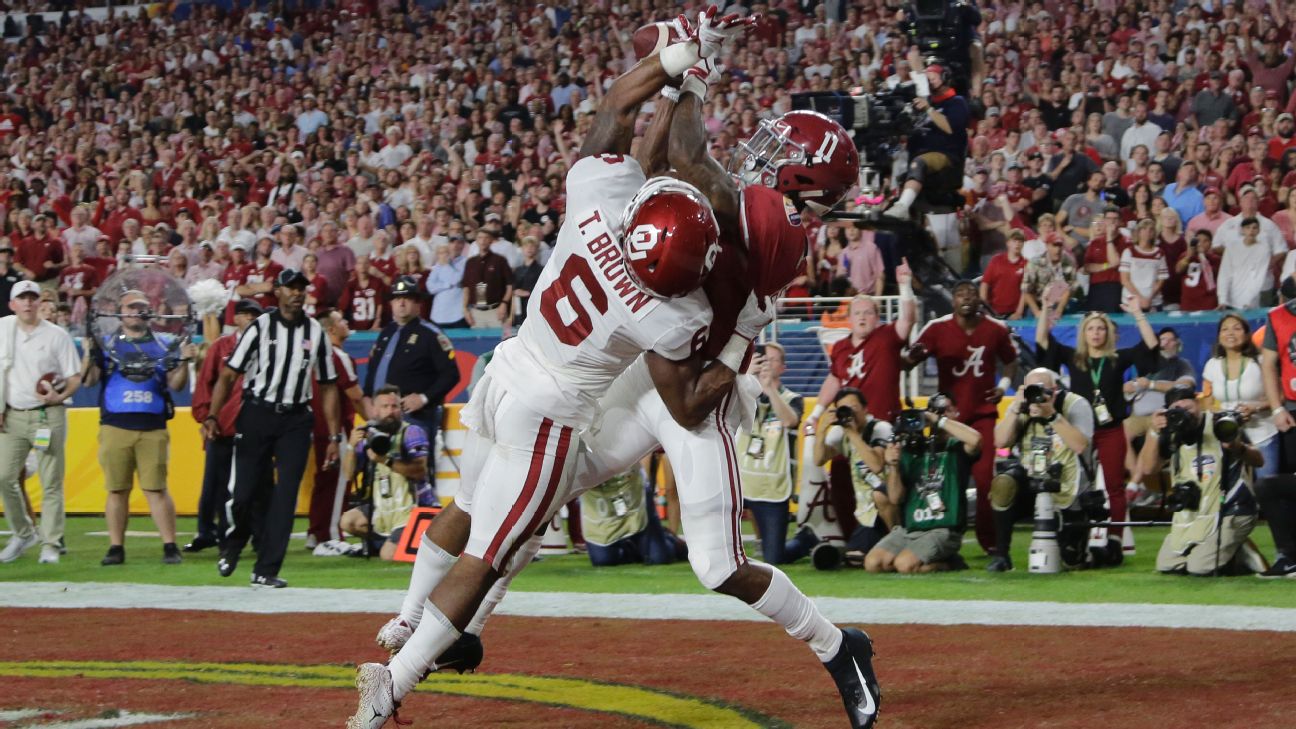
660 607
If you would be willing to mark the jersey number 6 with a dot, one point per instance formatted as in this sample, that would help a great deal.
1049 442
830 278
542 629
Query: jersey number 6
572 334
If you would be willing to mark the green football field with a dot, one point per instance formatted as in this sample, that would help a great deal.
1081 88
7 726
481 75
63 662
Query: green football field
1134 582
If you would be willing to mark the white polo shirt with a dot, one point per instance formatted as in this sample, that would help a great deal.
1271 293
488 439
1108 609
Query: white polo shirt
29 355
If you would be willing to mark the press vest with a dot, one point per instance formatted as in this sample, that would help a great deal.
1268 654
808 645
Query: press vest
393 494
614 510
946 473
1073 476
1223 481
764 467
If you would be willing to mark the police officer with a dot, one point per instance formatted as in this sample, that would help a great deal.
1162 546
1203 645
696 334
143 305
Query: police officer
277 355
417 357
137 367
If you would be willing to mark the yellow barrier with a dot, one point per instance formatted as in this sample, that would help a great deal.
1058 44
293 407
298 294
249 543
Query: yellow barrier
83 491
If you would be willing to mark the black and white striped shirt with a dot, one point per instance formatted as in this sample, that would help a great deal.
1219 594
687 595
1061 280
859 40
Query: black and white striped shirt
276 358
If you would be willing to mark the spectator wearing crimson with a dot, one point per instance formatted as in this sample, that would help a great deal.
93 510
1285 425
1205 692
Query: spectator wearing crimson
113 211
363 298
487 285
212 521
40 256
235 274
382 262
336 262
1001 284
314 289
1284 136
1102 263
78 282
258 279
329 490
970 350
1212 215
868 360
1097 367
1198 269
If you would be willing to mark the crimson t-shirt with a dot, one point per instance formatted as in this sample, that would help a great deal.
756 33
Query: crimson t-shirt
1097 253
873 368
79 277
966 364
1198 288
1003 280
363 303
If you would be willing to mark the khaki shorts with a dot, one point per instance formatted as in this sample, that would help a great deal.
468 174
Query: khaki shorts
1137 425
123 453
932 545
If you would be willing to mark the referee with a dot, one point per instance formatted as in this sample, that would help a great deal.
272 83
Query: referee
417 357
276 355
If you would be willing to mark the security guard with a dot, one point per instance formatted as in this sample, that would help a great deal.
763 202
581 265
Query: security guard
277 355
417 357
137 367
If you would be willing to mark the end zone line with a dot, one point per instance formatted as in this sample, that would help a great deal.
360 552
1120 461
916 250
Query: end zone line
80 595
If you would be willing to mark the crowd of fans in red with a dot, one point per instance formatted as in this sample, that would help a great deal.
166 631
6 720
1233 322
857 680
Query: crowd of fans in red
1119 150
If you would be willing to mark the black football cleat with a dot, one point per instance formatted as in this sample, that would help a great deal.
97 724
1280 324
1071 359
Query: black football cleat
227 564
199 544
852 670
267 581
465 655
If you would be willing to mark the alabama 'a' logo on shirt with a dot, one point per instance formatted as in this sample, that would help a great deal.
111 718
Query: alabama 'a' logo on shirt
973 362
856 367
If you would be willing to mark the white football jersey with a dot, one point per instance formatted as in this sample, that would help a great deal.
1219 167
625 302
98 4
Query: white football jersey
587 320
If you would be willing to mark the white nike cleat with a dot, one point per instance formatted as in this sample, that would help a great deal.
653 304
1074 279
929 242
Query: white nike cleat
333 548
377 705
393 635
898 211
852 671
49 554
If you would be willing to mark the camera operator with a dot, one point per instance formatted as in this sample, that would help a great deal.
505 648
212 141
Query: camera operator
928 475
1051 429
936 150
957 34
1210 467
853 433
392 455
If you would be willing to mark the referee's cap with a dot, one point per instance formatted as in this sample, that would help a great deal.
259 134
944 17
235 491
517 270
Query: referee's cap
292 277
404 286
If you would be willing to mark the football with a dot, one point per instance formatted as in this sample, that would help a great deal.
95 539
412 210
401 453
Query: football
50 382
652 38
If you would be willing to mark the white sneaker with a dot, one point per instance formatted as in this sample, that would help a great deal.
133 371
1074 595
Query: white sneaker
18 547
374 682
49 554
332 548
394 634
311 541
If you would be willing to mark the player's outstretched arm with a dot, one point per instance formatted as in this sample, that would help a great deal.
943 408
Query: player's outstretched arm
690 391
652 145
687 153
613 127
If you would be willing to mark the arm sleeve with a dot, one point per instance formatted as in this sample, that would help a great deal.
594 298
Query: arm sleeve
448 376
245 350
325 372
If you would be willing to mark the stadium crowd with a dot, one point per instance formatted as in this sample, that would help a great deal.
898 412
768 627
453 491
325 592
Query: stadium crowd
1119 155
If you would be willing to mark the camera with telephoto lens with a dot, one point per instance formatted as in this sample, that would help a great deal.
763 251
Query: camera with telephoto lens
844 415
1184 496
1227 425
1181 425
1035 394
377 438
909 427
1049 482
938 403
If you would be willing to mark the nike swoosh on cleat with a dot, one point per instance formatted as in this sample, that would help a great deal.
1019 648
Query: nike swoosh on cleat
870 707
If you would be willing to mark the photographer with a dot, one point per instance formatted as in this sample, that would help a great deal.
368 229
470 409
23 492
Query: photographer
928 475
1210 467
620 524
955 32
853 433
392 455
1051 430
936 150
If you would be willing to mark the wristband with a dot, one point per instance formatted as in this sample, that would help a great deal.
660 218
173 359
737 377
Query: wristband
678 58
940 423
815 412
670 93
906 291
734 352
694 85
1004 384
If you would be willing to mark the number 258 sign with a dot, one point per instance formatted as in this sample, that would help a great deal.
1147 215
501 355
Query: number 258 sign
642 240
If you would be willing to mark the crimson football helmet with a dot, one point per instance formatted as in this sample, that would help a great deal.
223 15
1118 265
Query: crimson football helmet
802 154
670 237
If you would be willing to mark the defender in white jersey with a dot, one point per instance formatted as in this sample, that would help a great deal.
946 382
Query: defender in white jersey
623 282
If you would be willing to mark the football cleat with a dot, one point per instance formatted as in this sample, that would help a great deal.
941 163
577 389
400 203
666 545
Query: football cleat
465 655
374 682
1000 563
227 564
852 670
267 581
393 635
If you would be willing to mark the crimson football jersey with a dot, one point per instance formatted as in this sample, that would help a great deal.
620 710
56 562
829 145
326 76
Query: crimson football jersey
234 275
873 368
966 364
317 287
255 275
363 303
79 277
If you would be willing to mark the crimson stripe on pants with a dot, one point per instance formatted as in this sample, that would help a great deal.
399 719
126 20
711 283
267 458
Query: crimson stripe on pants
519 506
539 519
735 493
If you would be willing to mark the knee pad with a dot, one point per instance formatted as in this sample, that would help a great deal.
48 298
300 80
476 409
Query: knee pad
1003 491
712 566
918 170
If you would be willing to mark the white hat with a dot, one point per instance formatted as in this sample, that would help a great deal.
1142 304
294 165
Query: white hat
24 287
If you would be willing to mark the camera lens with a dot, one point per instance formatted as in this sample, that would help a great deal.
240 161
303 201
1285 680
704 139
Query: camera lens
1035 394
